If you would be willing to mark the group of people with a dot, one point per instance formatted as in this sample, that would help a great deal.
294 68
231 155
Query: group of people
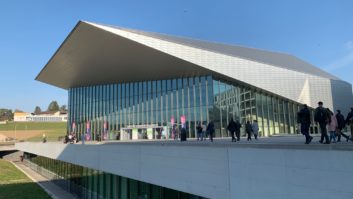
327 121
234 129
203 131
70 138
324 117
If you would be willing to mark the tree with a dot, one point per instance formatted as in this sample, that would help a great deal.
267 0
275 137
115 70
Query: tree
6 114
63 108
37 110
53 106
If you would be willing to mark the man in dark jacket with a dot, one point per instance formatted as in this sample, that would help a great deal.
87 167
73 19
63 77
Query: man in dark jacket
210 130
231 128
248 129
322 117
349 121
183 134
199 131
304 119
237 129
340 126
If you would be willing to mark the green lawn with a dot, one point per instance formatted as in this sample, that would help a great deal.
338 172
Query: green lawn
15 184
11 126
52 135
33 131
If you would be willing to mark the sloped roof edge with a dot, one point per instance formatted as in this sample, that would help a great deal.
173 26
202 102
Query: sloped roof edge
278 59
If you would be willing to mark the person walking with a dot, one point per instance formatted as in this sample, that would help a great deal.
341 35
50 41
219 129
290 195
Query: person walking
199 131
248 129
349 122
83 138
322 118
204 130
174 132
304 119
183 134
210 130
231 128
237 129
177 132
44 137
332 126
340 125
255 129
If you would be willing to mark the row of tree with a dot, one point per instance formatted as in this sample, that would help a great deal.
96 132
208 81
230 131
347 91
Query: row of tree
7 114
53 106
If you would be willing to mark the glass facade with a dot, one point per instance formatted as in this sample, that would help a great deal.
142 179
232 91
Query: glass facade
89 183
149 109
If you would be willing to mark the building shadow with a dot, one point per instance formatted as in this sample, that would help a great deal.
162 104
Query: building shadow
22 190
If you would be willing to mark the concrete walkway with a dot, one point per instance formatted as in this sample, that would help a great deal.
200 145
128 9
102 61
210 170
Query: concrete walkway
273 142
279 142
53 190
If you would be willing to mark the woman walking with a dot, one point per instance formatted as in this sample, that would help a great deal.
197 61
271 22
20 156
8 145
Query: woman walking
255 129
332 126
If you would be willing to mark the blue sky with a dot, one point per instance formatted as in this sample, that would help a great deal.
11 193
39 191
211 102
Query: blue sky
320 32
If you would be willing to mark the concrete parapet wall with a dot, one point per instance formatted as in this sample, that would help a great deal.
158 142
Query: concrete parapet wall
219 172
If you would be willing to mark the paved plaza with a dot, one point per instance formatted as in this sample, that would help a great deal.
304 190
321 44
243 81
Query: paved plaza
278 142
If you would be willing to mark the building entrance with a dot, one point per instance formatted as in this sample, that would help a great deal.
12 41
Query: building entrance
148 132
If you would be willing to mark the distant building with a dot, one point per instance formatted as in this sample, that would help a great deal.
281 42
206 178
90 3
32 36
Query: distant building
20 116
48 116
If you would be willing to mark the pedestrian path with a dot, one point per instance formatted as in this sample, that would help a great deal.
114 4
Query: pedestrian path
279 141
283 142
53 190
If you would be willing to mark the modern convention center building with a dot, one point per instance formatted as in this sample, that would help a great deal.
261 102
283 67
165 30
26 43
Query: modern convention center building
127 84
132 84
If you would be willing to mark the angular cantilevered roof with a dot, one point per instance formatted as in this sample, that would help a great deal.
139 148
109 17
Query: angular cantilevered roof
273 58
95 54
91 55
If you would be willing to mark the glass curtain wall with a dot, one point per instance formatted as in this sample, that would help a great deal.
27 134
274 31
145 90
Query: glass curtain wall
275 115
140 108
149 109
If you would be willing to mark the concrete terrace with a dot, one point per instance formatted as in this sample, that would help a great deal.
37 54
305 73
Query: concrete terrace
281 142
277 167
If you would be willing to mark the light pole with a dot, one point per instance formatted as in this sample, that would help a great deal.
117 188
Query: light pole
15 132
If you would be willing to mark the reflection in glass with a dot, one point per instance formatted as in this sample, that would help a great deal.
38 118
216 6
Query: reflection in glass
146 108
